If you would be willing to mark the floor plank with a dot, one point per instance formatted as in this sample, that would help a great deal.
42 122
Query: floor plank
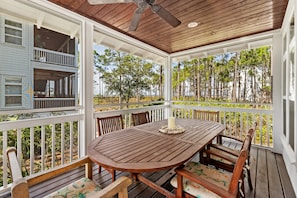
275 188
261 175
253 168
284 178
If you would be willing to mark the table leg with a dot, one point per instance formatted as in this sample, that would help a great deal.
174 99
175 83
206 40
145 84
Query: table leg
155 186
134 177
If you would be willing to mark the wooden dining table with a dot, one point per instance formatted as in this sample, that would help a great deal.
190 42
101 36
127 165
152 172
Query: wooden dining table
144 148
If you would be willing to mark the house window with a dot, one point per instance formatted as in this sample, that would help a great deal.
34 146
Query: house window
13 32
13 91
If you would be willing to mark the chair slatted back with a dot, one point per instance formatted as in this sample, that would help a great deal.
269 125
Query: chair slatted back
240 163
109 124
206 115
140 118
251 133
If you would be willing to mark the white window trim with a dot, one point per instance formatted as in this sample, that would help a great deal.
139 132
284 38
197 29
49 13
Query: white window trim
4 90
2 39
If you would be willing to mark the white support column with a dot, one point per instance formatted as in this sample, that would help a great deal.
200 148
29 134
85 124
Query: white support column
277 96
168 86
87 127
75 83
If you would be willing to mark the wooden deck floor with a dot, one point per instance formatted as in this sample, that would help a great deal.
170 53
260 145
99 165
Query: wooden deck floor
269 176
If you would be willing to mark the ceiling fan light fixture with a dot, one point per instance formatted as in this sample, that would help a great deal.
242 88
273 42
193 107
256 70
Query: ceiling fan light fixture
192 24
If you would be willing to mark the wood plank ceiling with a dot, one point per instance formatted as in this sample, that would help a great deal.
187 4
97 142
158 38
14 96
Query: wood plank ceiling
219 20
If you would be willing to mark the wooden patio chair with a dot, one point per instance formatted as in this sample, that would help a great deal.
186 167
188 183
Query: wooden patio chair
206 115
140 118
84 187
107 125
198 180
225 157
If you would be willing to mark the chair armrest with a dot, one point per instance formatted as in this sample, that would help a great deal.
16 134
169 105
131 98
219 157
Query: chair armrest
225 149
119 186
14 164
35 179
197 179
19 187
231 137
221 155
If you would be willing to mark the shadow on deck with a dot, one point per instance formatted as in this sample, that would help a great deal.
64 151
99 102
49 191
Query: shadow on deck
269 176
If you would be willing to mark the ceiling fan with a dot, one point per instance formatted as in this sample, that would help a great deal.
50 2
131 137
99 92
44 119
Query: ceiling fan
141 6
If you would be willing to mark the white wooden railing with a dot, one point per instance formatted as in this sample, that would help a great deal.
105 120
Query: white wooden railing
53 57
238 121
62 125
40 103
33 135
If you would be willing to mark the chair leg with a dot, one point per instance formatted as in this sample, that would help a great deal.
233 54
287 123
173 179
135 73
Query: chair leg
248 173
219 139
113 173
202 158
249 178
99 168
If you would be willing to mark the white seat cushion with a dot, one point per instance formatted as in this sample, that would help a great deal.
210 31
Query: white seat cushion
81 188
217 177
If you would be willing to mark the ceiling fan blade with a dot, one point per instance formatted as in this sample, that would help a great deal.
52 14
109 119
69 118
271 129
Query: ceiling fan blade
167 16
96 2
135 19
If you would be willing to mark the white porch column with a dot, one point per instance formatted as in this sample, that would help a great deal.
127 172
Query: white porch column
277 94
75 83
87 127
168 86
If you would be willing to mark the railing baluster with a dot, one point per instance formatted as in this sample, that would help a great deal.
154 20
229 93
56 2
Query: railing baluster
261 129
253 121
19 144
62 143
71 141
224 121
241 124
269 128
42 147
230 123
53 144
31 150
5 140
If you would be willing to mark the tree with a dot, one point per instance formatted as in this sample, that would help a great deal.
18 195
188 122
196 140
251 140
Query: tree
124 75
197 76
